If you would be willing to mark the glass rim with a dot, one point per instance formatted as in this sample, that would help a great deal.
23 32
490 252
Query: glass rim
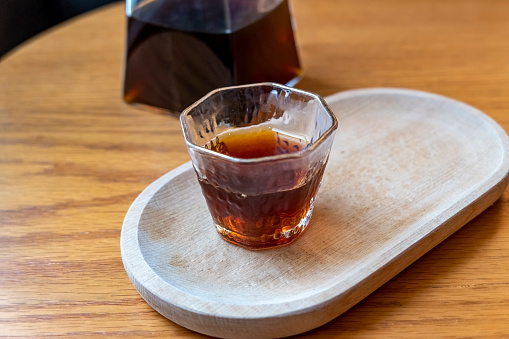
230 158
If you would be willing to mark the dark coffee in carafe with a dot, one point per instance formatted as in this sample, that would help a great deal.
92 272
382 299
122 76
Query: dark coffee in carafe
179 50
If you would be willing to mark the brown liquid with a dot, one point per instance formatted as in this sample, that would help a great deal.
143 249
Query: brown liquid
171 69
264 220
257 143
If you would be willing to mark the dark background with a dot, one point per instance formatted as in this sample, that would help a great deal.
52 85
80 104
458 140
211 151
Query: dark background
22 19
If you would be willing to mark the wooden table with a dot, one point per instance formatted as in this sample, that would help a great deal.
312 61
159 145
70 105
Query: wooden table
74 156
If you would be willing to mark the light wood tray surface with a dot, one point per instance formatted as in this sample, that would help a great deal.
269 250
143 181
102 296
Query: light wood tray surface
407 169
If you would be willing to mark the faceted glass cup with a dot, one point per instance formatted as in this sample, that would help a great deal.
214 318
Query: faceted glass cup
259 200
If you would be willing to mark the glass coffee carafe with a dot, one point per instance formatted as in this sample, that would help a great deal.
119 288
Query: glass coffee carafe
179 50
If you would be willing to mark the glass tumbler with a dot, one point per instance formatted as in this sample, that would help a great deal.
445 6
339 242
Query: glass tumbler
259 152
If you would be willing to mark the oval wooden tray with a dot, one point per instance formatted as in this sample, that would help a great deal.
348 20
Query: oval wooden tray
407 169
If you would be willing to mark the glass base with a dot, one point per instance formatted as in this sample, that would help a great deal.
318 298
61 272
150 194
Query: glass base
156 109
295 80
266 241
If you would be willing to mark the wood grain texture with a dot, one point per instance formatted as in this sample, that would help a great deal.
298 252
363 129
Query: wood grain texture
407 169
73 157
